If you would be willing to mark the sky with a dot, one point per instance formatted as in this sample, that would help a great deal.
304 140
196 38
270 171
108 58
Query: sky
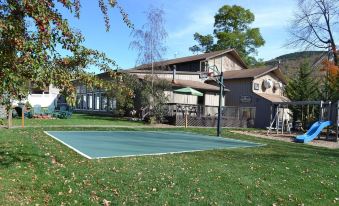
183 19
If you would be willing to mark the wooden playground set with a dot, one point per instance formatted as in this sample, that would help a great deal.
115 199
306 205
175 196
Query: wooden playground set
327 113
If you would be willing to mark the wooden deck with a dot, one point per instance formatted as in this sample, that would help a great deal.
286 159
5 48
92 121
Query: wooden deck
206 116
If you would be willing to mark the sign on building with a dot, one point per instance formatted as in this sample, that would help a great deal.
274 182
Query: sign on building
245 99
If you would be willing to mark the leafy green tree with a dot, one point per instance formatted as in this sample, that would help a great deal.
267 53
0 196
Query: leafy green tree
123 89
33 35
232 30
205 43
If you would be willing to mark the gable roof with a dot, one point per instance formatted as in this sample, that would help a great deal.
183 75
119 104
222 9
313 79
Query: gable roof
253 73
198 57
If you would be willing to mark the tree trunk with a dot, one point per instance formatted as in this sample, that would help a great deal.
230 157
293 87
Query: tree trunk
335 53
10 118
335 58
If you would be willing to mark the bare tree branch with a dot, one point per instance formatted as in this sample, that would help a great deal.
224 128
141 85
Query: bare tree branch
313 25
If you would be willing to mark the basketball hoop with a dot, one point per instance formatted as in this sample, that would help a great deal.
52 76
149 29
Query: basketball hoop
203 75
210 74
207 75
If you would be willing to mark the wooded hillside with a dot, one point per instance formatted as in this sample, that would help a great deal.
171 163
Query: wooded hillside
290 62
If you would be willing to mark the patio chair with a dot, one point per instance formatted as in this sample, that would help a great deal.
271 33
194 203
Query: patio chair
65 112
37 110
50 110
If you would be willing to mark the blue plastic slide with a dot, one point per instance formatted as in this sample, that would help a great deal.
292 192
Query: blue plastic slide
313 132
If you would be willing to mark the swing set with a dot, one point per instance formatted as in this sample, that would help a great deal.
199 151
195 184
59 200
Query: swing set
280 122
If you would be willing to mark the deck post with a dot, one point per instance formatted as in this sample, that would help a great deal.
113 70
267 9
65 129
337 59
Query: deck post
186 119
282 121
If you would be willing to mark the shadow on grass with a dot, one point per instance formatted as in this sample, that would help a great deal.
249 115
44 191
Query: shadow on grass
10 157
102 117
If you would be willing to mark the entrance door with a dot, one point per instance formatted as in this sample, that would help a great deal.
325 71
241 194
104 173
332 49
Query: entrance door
201 100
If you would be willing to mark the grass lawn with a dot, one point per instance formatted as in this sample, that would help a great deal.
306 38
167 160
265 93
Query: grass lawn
78 119
35 169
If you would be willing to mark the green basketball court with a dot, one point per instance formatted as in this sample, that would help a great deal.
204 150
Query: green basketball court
106 144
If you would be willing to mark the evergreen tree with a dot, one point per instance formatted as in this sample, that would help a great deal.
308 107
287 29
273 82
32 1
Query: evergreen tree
303 87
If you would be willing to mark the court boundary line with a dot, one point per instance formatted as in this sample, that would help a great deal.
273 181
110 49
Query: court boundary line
181 152
148 154
69 146
168 132
217 137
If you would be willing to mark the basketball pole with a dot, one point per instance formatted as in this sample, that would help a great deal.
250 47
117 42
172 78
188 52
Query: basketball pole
221 94
220 81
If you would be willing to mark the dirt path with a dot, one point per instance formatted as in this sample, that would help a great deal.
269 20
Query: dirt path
94 126
288 138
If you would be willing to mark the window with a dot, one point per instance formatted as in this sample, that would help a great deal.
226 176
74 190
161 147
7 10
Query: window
90 101
112 104
255 86
103 102
84 102
97 101
83 89
78 89
78 102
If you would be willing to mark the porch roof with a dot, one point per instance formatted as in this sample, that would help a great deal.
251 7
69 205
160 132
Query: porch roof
274 98
195 85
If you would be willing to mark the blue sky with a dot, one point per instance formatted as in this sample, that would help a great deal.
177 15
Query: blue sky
183 19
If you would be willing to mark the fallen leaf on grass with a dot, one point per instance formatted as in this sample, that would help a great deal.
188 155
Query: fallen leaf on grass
115 192
106 202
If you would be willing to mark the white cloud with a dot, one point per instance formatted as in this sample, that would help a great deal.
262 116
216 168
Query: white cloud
270 19
200 20
273 17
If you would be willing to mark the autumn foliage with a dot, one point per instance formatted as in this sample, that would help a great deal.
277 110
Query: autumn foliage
331 84
330 67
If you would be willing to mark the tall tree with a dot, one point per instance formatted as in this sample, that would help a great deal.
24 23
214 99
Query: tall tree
205 43
149 41
314 25
33 34
232 30
302 86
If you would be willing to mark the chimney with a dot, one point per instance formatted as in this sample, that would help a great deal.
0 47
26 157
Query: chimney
174 73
